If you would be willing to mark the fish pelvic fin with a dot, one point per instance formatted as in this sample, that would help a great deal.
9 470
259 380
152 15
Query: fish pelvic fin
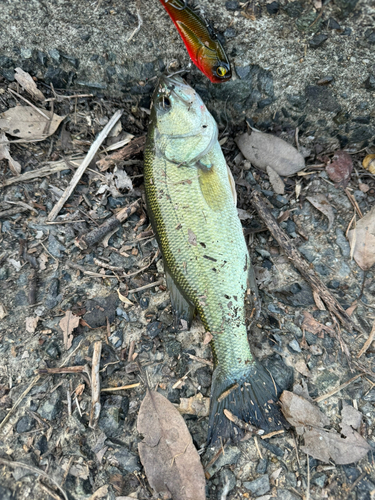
252 397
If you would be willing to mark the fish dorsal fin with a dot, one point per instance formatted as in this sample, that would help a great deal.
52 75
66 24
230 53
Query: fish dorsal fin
182 308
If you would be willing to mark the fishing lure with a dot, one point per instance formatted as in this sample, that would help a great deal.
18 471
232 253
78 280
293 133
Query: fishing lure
204 48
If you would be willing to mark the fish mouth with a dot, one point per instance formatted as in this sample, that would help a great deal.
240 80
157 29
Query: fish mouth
175 86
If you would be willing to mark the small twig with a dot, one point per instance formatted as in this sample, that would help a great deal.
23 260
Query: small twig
339 388
140 22
37 471
67 471
67 369
308 477
30 104
95 385
257 447
353 201
81 169
368 342
243 425
145 287
200 360
73 265
122 388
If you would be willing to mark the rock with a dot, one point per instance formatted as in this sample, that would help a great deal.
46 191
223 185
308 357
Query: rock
5 493
283 494
53 350
20 472
319 480
110 415
332 24
273 8
342 243
370 82
41 445
144 302
154 329
54 246
4 273
116 339
25 424
259 486
229 481
231 456
204 376
127 461
99 309
52 296
55 55
295 345
262 466
232 5
318 40
51 408
322 98
282 374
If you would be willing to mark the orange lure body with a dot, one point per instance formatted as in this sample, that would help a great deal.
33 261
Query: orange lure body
204 49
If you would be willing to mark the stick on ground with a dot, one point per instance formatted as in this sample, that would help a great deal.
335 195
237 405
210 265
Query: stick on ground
95 385
303 267
86 162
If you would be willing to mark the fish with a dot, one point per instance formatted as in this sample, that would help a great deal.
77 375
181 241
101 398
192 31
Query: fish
205 50
191 203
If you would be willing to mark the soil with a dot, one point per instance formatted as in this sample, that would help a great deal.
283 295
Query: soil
48 427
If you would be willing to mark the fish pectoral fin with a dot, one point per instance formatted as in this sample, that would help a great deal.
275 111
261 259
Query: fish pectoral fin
181 307
212 187
232 185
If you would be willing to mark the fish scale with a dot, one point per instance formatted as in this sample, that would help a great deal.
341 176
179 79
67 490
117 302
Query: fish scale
191 207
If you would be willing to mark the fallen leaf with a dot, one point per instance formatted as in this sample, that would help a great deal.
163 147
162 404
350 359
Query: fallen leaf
313 326
264 150
31 323
115 181
16 264
14 166
301 368
369 163
122 180
196 405
26 123
26 81
243 214
3 312
43 259
67 324
318 301
171 462
340 168
124 299
362 241
320 202
275 180
351 416
322 444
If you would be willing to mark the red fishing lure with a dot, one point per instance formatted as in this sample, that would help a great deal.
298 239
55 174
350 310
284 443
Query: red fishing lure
204 49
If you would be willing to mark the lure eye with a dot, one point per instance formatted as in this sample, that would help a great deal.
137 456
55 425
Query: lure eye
221 71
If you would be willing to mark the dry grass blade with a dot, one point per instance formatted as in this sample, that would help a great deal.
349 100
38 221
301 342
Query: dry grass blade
95 385
368 342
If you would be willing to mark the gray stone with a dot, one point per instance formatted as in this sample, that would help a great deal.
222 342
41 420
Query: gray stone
54 246
259 486
295 345
116 339
20 472
318 40
262 466
25 424
283 494
127 461
229 482
342 242
321 98
5 493
4 272
231 456
51 408
319 480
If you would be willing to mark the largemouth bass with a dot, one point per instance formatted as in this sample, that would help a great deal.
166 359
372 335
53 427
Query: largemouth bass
205 50
191 204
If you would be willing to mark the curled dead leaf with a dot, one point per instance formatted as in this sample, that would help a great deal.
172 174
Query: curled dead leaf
26 81
264 150
275 180
340 169
67 324
196 405
320 202
5 155
124 299
362 241
171 462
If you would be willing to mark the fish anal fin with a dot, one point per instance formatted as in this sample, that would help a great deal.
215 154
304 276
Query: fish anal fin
181 307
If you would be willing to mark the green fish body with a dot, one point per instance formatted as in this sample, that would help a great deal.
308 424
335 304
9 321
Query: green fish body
192 206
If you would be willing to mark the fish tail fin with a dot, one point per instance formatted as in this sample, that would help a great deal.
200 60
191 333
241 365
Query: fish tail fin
251 396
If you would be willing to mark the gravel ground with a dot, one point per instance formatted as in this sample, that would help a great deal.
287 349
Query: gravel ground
48 427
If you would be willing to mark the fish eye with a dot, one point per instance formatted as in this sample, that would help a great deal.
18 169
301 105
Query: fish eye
221 71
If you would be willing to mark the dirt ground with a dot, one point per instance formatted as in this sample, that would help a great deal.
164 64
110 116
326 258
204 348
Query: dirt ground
117 290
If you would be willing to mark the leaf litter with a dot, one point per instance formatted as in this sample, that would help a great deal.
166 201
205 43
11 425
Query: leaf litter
67 324
362 241
26 81
320 202
14 166
345 447
167 452
340 168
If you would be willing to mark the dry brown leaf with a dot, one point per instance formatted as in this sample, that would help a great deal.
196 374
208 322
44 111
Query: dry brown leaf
67 325
275 180
207 338
264 150
25 122
362 241
5 155
43 259
340 169
301 368
313 326
369 163
320 202
171 462
31 323
26 81
124 299
351 416
320 443
196 405
318 301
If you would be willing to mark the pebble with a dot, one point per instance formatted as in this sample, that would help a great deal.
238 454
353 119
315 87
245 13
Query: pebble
229 481
232 5
262 466
54 246
283 494
25 424
154 329
52 298
204 376
41 445
51 408
6 494
55 55
370 82
317 40
99 309
116 339
319 480
259 486
110 415
127 461
273 8
123 314
295 345
342 243
4 272
231 456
